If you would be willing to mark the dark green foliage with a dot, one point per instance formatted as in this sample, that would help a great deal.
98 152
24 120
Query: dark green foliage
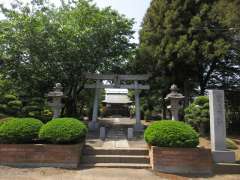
20 130
25 107
37 101
10 105
3 108
15 104
63 131
197 113
6 85
36 107
169 133
189 43
201 100
9 97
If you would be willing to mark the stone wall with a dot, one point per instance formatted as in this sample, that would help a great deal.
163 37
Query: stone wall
181 160
37 155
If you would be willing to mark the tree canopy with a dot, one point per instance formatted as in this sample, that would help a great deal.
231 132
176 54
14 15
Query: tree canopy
194 44
41 44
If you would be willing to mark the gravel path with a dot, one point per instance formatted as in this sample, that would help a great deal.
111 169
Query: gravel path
8 173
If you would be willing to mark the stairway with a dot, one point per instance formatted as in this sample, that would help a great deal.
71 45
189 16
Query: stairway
115 150
122 158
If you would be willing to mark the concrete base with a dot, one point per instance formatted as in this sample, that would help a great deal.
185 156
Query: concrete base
223 156
93 125
138 128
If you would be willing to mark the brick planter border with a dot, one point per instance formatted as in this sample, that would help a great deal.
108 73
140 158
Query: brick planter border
181 160
40 155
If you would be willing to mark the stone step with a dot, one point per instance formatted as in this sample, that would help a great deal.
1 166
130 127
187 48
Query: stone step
117 165
92 159
100 151
227 168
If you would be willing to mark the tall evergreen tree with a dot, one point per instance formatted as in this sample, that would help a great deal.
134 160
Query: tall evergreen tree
189 42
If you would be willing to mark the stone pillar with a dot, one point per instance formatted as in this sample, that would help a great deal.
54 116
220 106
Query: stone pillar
218 128
57 108
138 126
175 109
93 125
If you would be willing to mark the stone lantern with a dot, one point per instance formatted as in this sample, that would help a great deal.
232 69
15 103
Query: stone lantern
56 97
175 98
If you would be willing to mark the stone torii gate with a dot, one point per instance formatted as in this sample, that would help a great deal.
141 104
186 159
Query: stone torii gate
116 79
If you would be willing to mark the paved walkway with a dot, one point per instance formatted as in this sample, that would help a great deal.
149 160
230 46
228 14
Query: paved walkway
116 137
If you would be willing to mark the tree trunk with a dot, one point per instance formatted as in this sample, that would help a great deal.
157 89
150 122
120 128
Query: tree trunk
204 79
164 108
201 83
71 107
71 102
202 89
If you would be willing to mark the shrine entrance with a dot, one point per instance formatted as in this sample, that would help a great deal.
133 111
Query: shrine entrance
117 82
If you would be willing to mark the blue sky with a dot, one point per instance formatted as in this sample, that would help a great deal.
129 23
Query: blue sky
131 8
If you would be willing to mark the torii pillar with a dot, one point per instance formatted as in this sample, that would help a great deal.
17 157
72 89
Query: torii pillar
138 126
93 125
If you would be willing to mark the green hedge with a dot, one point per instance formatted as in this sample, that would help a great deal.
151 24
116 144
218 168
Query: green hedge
63 131
19 130
167 133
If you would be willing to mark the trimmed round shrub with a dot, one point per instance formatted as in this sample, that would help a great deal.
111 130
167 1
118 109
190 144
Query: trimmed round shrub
3 119
20 130
1 123
3 116
167 133
63 131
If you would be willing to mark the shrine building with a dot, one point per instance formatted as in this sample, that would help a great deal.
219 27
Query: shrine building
116 102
